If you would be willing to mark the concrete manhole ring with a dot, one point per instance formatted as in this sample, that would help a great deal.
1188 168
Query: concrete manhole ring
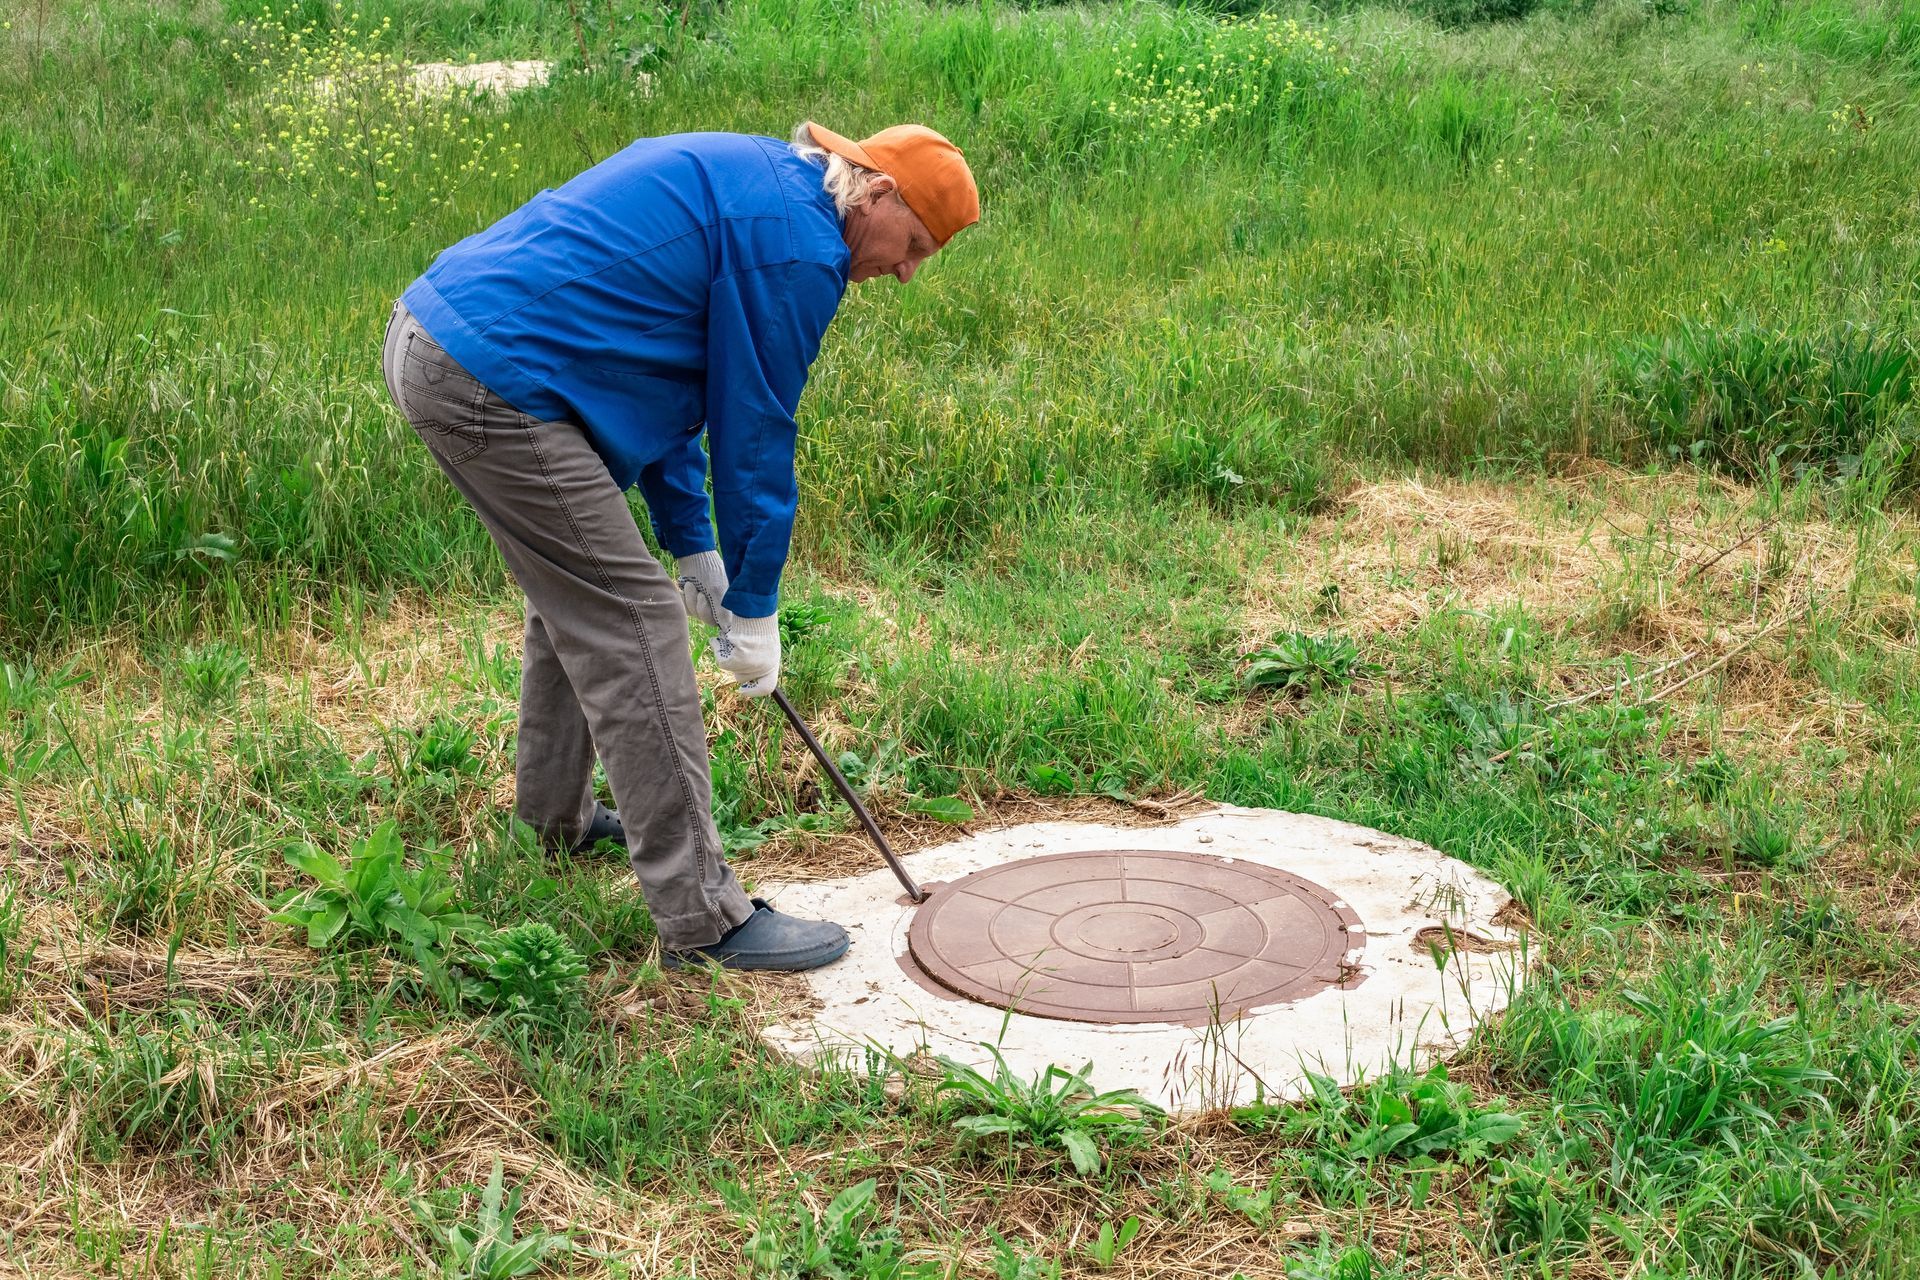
1134 935
1393 998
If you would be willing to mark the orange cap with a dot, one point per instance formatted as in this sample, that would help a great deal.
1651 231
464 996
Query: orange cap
933 176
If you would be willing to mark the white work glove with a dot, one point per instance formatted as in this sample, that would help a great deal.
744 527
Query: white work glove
748 649
703 585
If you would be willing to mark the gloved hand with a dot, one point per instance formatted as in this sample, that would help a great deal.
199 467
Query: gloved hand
703 585
748 649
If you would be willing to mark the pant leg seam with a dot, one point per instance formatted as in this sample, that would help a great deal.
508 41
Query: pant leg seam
653 677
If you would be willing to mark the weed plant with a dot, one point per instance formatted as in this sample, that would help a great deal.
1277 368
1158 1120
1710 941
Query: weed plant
839 1240
1299 663
1057 1108
528 972
489 1247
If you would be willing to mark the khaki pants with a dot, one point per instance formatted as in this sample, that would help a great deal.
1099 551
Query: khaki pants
608 664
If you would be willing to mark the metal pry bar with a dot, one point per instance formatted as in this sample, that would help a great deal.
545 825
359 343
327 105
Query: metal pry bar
914 891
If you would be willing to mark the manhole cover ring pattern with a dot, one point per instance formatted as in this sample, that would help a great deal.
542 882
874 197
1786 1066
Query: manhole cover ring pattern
1134 935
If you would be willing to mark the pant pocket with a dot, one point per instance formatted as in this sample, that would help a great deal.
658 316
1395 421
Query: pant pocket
443 399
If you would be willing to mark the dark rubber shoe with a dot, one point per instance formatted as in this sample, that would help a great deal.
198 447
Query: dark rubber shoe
606 825
768 940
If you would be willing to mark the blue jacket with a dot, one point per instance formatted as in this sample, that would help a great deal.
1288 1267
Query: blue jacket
685 281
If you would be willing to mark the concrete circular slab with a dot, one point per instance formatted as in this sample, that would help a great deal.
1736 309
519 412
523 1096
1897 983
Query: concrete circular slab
1428 962
1134 935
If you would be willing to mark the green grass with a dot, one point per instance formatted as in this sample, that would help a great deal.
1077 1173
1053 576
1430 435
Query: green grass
1479 247
1533 406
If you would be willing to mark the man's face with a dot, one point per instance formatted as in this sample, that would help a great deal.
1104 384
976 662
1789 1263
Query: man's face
885 237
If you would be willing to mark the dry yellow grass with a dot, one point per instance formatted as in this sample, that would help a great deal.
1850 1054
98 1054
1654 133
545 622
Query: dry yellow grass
1712 589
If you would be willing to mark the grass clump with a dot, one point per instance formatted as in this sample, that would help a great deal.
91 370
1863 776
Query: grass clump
1057 1108
211 673
1298 663
143 882
176 1084
441 751
1756 401
1684 1078
1699 1065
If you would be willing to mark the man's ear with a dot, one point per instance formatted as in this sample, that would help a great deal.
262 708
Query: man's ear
882 185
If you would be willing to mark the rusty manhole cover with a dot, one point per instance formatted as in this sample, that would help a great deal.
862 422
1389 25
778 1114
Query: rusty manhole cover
1134 935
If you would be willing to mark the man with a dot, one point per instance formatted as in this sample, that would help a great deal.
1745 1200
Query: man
587 342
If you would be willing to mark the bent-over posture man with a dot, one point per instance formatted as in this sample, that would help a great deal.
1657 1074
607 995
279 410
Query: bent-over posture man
588 341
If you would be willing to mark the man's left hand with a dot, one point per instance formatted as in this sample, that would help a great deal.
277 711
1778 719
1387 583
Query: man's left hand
748 649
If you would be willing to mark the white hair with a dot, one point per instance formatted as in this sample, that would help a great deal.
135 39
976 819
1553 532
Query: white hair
847 182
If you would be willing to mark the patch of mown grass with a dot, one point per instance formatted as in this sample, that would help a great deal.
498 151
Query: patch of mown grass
1701 1112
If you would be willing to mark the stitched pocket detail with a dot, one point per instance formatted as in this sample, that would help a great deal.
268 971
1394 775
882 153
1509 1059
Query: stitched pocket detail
443 398
428 370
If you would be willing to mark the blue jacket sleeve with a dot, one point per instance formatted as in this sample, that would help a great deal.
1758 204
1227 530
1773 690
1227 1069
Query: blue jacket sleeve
764 328
675 488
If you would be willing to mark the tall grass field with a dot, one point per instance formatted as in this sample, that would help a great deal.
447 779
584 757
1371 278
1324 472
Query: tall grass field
1493 421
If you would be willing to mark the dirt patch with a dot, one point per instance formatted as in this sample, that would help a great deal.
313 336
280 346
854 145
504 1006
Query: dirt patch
449 79
800 857
479 77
